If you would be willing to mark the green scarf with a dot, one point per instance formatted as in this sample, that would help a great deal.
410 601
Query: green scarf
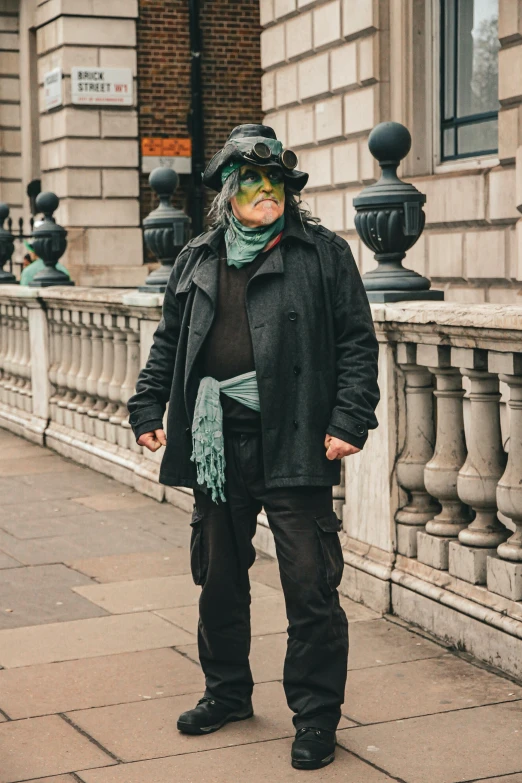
207 427
244 244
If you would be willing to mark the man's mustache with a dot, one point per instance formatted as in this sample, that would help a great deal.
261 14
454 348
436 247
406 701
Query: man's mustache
266 198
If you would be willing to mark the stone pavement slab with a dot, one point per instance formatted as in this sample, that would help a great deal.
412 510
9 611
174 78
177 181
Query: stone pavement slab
18 517
122 501
87 639
372 644
45 689
147 730
59 779
8 562
43 747
25 466
268 761
268 615
136 565
403 690
157 593
42 594
464 745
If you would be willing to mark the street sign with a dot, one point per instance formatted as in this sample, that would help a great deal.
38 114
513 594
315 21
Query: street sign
53 94
174 153
102 86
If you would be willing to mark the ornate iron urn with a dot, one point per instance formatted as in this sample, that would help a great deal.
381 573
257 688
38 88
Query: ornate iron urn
166 230
390 220
6 247
49 242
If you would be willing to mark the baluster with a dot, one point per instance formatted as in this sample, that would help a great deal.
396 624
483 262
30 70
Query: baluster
25 364
72 376
4 342
418 450
441 472
8 321
116 415
65 395
125 436
104 407
478 478
14 398
504 573
93 378
83 372
55 351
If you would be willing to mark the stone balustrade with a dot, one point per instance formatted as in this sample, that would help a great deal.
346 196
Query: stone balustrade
431 508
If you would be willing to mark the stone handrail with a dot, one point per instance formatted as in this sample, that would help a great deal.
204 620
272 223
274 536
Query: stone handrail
432 507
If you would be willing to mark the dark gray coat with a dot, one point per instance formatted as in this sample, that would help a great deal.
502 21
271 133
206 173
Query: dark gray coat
314 347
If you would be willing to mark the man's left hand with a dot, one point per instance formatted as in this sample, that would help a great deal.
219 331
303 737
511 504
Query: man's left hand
337 448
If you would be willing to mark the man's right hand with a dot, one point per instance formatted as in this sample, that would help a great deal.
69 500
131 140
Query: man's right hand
153 440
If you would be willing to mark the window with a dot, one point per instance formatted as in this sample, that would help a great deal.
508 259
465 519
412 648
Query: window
469 78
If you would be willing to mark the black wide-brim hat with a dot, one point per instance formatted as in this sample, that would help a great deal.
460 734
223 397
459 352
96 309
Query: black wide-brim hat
241 147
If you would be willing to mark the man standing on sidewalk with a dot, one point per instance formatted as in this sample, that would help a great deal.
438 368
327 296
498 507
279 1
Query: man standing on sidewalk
267 354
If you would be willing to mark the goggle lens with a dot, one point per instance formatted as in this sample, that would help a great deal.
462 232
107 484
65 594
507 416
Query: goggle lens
261 151
289 159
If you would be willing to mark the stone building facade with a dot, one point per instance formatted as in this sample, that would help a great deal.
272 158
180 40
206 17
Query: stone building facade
91 156
335 68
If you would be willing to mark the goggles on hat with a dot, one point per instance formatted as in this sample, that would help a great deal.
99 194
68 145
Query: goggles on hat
263 150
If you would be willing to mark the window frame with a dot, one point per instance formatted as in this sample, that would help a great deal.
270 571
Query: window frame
479 159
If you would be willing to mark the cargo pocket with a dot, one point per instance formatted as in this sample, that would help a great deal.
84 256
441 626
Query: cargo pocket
197 553
328 528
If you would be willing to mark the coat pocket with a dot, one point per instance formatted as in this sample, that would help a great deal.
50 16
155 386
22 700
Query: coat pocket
198 561
328 528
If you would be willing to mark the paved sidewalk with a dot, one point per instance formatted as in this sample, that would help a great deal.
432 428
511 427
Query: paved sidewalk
98 653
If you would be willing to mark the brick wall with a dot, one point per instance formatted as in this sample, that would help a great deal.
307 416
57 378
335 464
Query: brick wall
231 73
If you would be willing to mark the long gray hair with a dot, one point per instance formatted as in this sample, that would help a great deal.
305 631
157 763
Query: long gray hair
220 209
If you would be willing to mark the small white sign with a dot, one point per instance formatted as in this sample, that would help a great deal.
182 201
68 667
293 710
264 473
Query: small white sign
180 165
106 86
53 95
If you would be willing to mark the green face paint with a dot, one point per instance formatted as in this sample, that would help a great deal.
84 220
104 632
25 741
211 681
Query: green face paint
259 181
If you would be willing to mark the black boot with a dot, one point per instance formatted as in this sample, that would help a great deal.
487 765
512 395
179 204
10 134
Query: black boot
210 715
313 748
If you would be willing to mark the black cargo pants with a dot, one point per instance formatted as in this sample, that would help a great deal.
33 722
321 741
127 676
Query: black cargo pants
310 559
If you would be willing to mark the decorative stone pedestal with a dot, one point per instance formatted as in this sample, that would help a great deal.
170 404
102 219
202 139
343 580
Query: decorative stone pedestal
433 550
504 578
469 563
407 540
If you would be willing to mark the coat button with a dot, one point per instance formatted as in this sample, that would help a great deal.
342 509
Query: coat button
360 429
292 315
297 370
296 425
187 431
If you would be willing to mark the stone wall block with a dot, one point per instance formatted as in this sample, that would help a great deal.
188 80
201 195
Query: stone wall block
502 196
359 16
118 58
317 162
266 12
9 89
86 31
349 212
268 91
119 124
284 7
330 208
485 253
10 141
12 193
301 125
327 24
10 115
11 167
509 128
313 75
329 119
273 50
345 163
509 21
369 170
445 254
106 246
298 36
69 122
368 59
120 183
286 85
100 8
75 183
509 74
90 153
277 121
517 267
9 64
451 199
417 257
360 110
66 58
9 42
343 66
96 212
